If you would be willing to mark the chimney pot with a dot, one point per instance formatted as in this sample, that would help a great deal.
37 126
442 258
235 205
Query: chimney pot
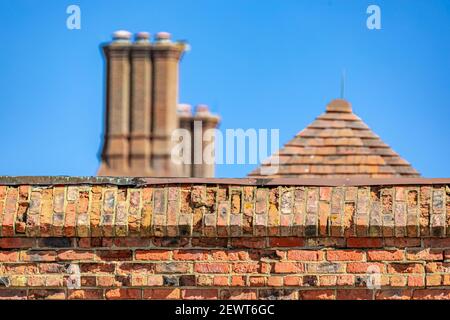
184 109
163 37
142 36
202 109
122 35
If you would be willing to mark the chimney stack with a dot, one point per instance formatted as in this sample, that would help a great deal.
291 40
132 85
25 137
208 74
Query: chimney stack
141 106
166 56
186 123
115 150
198 126
204 120
142 110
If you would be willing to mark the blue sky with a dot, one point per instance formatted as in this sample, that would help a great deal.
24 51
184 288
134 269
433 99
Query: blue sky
259 64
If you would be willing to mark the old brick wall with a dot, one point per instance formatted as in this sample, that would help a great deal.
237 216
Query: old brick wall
98 238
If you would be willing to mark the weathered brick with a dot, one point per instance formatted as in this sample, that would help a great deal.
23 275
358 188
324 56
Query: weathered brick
288 267
317 295
354 294
385 255
305 255
123 294
162 294
345 255
199 294
424 254
212 267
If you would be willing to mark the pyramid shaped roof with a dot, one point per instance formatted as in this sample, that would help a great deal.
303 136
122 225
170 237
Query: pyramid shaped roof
337 144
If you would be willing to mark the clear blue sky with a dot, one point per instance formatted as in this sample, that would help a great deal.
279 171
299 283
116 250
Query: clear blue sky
259 64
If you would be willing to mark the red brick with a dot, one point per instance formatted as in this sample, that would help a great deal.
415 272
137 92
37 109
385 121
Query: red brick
433 280
9 256
21 268
115 255
443 267
402 242
36 281
13 294
212 267
51 294
257 281
97 267
68 255
134 267
222 242
205 280
162 294
229 255
398 281
385 255
54 281
437 242
345 280
393 294
305 255
345 255
221 281
246 267
152 254
327 281
416 281
432 294
123 294
154 280
238 294
424 254
447 255
354 294
286 242
406 268
107 281
38 256
171 267
88 281
17 243
275 281
238 281
190 255
317 294
292 281
199 294
289 267
364 242
364 267
129 242
248 242
90 294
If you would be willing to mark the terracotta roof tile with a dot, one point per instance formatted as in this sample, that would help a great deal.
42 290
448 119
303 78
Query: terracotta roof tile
338 144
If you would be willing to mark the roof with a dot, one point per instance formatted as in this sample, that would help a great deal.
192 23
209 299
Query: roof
337 144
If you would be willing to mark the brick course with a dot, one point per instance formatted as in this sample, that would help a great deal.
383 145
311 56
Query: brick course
222 241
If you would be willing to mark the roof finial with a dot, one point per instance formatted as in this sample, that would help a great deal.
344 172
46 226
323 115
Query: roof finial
342 83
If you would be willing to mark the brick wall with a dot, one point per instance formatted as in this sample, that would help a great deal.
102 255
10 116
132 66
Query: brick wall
101 238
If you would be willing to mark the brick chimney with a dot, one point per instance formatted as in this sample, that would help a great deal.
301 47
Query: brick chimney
115 154
141 109
166 56
141 106
201 139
